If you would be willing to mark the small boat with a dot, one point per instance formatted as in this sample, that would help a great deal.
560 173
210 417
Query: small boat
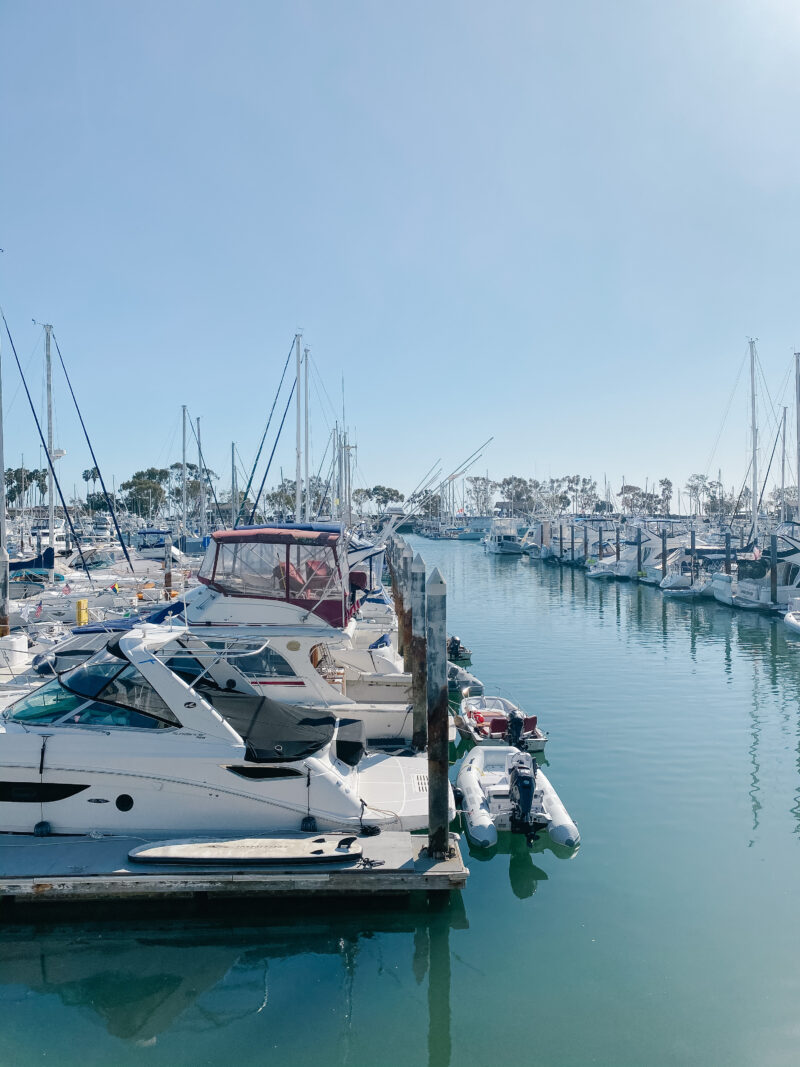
486 719
504 789
792 616
457 652
461 683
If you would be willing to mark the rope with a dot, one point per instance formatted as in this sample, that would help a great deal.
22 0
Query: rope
94 457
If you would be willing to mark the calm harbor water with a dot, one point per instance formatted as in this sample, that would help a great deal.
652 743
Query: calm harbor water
670 938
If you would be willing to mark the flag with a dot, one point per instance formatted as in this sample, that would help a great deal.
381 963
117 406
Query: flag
38 612
114 588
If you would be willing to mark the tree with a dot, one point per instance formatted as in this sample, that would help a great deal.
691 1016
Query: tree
383 496
697 488
361 497
666 495
145 491
479 494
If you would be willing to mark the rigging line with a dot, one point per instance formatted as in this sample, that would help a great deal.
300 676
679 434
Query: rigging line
94 457
272 454
49 458
726 413
766 476
334 409
203 475
766 388
34 350
266 431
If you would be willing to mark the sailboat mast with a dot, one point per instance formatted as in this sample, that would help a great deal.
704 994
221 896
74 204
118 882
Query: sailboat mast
183 475
783 470
201 496
298 489
797 416
5 590
51 504
234 494
754 430
305 404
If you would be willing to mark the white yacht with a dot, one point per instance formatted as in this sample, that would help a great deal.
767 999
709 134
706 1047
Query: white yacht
503 539
124 744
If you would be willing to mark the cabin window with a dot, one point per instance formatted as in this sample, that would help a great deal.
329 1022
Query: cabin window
112 715
117 682
49 703
264 664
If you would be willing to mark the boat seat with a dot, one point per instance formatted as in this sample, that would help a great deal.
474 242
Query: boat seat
498 727
530 723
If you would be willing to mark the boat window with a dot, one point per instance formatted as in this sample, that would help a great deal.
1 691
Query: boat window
99 714
49 703
261 664
118 682
277 571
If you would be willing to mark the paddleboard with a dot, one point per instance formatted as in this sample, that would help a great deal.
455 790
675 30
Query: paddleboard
324 848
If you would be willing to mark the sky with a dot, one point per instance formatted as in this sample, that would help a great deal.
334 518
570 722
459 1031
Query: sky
556 225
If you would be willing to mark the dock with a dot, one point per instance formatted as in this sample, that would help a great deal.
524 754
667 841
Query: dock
95 869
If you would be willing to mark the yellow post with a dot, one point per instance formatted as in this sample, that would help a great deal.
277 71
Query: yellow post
82 612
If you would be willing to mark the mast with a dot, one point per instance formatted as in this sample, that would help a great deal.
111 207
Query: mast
797 414
298 489
234 494
51 508
308 486
183 475
754 431
783 469
4 568
201 496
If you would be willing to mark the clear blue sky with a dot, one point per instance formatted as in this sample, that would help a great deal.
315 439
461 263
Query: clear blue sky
553 223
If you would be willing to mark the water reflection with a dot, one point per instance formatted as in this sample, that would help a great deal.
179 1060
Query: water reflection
142 982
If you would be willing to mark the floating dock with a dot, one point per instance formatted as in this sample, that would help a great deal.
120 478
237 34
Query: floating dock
75 869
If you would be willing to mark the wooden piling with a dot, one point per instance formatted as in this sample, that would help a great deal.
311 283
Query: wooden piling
663 554
572 542
693 550
560 544
773 569
419 656
585 544
728 553
406 561
5 592
438 766
168 565
638 551
600 543
617 546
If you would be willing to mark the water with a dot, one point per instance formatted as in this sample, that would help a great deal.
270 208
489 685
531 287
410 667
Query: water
670 938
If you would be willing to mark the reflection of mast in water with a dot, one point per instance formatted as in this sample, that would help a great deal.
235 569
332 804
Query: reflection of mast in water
755 734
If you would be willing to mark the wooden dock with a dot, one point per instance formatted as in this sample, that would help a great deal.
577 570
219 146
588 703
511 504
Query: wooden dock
75 869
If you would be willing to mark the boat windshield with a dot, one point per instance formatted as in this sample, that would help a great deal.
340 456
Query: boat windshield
117 682
52 704
276 571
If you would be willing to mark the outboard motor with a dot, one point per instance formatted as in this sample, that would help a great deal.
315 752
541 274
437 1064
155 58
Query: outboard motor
516 723
521 787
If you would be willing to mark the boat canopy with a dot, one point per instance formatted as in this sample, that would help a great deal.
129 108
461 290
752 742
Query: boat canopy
273 732
301 566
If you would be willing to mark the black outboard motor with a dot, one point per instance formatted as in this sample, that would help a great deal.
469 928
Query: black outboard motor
516 723
521 787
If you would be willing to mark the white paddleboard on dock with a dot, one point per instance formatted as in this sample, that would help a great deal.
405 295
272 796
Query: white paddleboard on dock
323 848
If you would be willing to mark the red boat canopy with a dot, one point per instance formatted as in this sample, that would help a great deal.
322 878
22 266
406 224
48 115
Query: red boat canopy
277 536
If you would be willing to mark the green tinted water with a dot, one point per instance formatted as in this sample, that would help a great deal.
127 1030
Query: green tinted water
670 938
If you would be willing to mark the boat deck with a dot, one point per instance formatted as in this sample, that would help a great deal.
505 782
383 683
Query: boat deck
74 869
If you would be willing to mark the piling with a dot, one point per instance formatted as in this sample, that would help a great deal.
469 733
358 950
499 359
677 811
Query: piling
572 542
694 553
419 655
617 545
773 569
600 543
406 562
638 551
168 566
438 785
560 544
4 591
663 554
585 544
728 552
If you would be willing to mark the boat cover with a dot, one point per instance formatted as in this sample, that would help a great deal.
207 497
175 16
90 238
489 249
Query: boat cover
274 732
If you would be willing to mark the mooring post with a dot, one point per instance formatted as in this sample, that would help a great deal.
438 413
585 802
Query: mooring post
560 543
693 550
438 784
617 544
572 542
773 569
728 552
406 561
419 656
168 566
600 543
638 551
397 591
585 544
663 553
4 592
